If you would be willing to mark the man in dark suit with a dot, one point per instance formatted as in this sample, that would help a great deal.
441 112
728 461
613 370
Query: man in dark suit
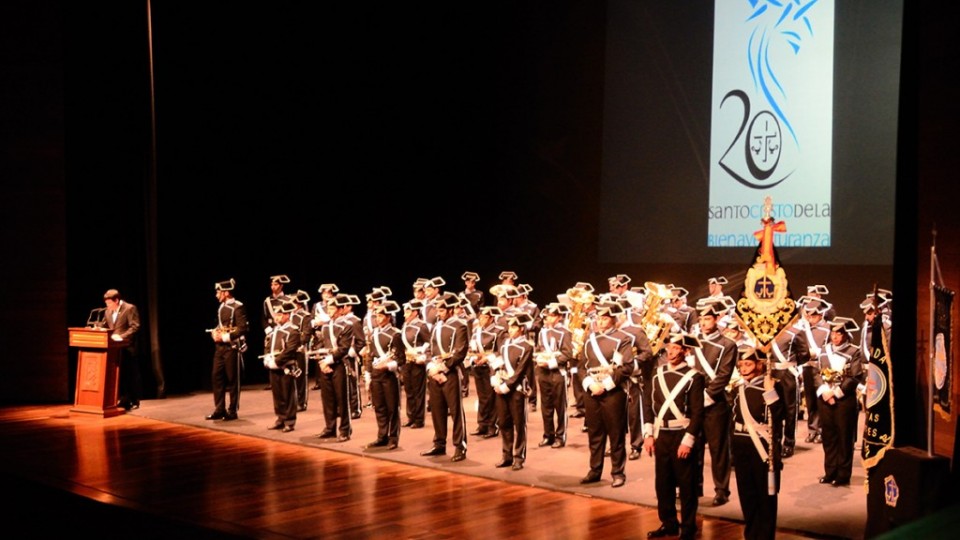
123 321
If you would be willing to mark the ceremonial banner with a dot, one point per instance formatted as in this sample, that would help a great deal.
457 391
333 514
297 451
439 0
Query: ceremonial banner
765 307
878 427
942 360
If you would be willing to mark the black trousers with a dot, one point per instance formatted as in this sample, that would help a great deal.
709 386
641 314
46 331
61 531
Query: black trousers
385 396
759 508
415 387
353 384
333 395
717 429
512 420
671 474
130 382
838 426
284 390
578 392
446 400
635 415
791 399
810 397
301 381
606 418
487 404
553 403
224 378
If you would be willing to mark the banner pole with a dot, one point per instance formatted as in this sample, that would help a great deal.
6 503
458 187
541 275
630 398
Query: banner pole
931 381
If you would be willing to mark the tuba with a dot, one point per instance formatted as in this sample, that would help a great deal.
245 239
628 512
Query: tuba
656 323
577 300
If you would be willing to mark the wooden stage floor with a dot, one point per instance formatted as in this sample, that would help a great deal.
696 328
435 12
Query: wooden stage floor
164 470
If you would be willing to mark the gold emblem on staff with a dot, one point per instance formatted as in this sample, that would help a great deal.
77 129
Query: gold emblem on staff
766 307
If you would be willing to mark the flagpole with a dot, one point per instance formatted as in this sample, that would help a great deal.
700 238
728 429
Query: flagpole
930 348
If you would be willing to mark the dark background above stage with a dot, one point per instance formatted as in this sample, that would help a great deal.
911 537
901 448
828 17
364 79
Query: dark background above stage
362 146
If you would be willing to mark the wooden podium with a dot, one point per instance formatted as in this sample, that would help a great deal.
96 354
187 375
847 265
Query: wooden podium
98 371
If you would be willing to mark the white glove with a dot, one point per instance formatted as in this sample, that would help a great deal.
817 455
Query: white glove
269 361
116 337
268 330
366 377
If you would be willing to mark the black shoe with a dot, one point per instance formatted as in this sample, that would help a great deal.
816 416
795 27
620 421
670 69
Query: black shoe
287 429
720 499
355 415
134 406
577 414
533 407
664 531
787 451
504 463
606 453
634 454
316 387
327 434
557 444
416 426
343 438
268 387
817 439
492 434
278 425
393 445
479 433
838 483
547 441
459 455
216 415
618 482
810 437
408 423
229 416
590 478
377 443
435 451
825 479
517 465
584 429
301 408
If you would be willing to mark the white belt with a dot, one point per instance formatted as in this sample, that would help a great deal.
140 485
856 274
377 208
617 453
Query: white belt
681 423
784 365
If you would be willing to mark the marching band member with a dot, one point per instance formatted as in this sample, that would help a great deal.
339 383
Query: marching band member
270 303
787 353
607 359
510 381
841 371
357 343
416 338
334 346
758 406
476 297
229 338
465 313
320 318
386 356
522 303
448 348
588 316
300 319
485 339
715 360
816 332
685 315
280 359
818 292
643 354
674 419
432 292
554 354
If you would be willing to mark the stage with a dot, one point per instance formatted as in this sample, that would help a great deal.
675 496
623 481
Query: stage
805 506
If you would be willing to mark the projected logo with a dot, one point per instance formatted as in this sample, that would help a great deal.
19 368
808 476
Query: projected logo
771 126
